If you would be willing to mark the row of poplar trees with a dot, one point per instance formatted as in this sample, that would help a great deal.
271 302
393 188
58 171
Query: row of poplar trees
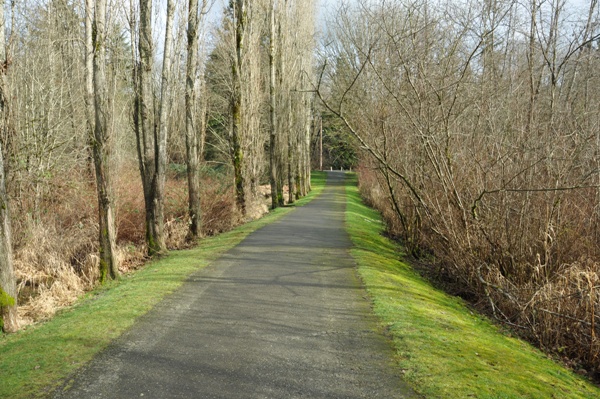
259 74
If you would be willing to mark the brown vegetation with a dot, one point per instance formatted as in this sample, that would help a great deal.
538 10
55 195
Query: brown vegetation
481 148
83 102
56 252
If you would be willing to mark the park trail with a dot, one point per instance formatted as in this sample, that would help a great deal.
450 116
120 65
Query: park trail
281 315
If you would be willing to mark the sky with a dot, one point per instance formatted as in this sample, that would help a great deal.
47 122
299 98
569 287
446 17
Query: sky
327 8
324 6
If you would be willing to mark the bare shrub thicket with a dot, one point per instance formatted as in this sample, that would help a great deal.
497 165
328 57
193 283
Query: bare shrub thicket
94 88
481 140
56 252
51 182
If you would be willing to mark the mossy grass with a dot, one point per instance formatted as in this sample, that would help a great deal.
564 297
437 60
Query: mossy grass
37 359
5 299
444 349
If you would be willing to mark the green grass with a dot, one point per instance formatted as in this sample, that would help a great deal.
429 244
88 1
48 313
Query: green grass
37 359
444 349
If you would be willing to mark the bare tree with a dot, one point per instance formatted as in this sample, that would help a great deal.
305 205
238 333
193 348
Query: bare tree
272 108
291 70
8 289
240 15
272 90
195 115
191 127
89 67
478 147
151 129
162 134
103 148
144 118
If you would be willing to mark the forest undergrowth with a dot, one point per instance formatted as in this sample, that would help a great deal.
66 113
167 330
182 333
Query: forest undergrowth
554 309
56 246
480 142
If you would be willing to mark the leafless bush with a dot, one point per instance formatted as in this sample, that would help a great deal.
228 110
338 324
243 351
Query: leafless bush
54 245
219 213
56 256
481 150
52 270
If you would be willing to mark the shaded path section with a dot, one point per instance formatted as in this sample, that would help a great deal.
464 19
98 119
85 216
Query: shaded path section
282 315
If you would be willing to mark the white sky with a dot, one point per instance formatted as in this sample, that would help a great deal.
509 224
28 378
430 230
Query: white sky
325 10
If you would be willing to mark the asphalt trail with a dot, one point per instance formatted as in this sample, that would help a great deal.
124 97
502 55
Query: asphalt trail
282 315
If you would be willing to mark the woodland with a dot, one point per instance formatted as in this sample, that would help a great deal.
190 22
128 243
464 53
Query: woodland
135 127
478 126
130 127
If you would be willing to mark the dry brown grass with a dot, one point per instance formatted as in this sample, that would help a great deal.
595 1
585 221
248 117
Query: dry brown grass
54 264
540 277
218 207
55 238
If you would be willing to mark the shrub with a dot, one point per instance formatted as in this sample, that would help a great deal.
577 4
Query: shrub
540 278
55 234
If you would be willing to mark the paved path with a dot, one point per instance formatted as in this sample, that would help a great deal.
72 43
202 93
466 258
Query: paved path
282 315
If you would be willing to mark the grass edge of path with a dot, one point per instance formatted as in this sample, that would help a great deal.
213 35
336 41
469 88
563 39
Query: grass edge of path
444 349
38 359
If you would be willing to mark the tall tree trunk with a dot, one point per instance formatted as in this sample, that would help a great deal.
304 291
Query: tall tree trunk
291 148
162 134
283 102
272 116
237 155
145 114
102 148
299 166
191 130
306 187
321 144
152 134
8 287
89 81
531 62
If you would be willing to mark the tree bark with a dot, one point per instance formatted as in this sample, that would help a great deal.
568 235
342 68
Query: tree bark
152 131
102 149
8 288
145 114
306 187
89 81
290 160
191 136
320 144
237 154
161 138
283 101
272 114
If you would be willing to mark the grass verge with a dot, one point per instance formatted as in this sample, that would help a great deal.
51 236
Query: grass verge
444 349
37 359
